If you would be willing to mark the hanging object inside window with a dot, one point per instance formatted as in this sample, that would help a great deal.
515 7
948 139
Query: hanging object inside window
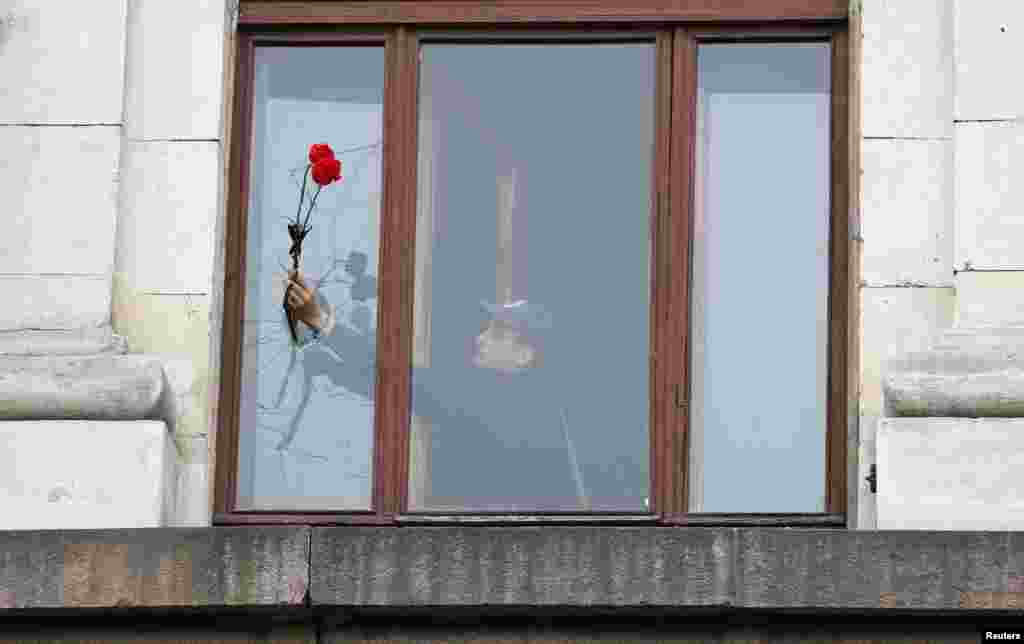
503 345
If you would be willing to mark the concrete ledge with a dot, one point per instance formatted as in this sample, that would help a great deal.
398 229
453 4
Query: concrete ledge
964 373
564 569
736 568
166 568
100 387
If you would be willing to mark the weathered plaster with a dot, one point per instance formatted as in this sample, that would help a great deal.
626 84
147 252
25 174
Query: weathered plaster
192 506
176 328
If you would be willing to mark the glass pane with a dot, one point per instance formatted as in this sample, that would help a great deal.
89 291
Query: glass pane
306 435
530 378
760 279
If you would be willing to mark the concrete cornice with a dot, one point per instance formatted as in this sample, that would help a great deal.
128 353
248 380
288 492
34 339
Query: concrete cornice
495 568
97 387
964 373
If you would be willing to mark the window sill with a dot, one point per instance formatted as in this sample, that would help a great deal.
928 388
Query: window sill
642 568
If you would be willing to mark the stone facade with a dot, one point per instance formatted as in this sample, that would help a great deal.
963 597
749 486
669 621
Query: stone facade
117 264
109 365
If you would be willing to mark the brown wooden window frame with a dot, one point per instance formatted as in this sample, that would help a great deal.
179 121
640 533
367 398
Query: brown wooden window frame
680 26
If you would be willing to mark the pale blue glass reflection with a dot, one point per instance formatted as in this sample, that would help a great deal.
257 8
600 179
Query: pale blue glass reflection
531 349
760 279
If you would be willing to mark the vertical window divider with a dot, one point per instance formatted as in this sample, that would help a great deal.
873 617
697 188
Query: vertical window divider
840 287
397 265
678 233
661 277
226 478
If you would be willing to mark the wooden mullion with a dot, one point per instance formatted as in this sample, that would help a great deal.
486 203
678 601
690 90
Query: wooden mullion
397 266
684 115
660 395
226 471
839 281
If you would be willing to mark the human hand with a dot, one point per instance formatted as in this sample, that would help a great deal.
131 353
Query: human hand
301 302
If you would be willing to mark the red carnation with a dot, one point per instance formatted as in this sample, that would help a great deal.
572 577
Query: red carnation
326 171
320 151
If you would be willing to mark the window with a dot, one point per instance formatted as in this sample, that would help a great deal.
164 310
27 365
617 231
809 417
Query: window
593 267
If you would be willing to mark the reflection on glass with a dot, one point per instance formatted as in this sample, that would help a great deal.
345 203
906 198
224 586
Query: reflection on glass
530 374
306 428
760 279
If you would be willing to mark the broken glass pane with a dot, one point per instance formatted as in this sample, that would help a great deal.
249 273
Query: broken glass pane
306 417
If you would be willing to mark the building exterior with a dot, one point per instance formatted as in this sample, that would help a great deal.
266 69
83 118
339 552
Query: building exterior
834 245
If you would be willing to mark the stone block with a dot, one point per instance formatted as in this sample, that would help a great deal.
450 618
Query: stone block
526 566
907 212
907 73
192 505
103 387
160 568
82 341
177 328
988 36
950 474
893 321
744 569
989 210
54 301
85 474
175 69
964 373
169 201
60 198
62 62
865 451
989 298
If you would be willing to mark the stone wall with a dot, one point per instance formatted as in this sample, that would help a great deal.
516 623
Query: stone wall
114 160
110 132
943 141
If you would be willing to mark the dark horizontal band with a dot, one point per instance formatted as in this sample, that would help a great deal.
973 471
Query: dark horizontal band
454 12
